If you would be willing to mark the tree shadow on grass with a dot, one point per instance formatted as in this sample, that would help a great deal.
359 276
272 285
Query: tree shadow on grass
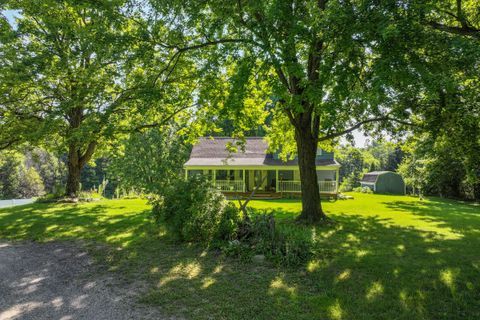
363 267
100 222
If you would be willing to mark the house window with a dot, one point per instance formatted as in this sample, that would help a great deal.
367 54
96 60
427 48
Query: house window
285 175
192 173
222 175
227 175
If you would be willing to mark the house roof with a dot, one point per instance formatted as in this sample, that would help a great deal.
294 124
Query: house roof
372 176
213 152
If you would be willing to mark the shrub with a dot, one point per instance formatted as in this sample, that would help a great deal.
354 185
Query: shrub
90 195
363 190
345 187
193 211
348 183
285 244
294 245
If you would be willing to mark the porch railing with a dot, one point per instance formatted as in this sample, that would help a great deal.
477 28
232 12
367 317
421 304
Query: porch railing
229 185
289 186
295 186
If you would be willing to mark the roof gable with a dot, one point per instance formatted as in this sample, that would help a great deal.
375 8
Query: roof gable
213 152
217 148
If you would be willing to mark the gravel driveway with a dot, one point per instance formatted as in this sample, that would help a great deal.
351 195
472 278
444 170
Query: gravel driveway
58 281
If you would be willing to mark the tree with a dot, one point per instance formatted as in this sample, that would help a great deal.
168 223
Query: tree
149 161
317 58
77 74
31 183
442 157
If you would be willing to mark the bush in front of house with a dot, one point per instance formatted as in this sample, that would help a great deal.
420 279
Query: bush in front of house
193 211
284 244
363 190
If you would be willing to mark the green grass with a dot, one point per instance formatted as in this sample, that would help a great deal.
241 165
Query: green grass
387 257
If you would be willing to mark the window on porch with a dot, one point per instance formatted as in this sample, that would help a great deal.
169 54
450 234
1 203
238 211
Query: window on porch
229 180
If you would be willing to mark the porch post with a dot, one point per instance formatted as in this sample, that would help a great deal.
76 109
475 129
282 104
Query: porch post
214 177
243 175
186 174
276 181
336 179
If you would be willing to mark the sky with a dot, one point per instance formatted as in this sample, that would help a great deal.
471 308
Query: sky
360 138
10 15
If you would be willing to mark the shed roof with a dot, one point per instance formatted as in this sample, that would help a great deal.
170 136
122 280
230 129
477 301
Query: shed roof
373 175
213 152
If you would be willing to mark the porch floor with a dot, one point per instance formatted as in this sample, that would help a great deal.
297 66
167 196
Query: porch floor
265 195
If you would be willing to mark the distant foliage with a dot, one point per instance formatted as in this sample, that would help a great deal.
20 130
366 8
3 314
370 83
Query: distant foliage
355 162
18 177
352 166
193 211
31 184
96 177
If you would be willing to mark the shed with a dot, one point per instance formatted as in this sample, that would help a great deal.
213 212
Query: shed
384 182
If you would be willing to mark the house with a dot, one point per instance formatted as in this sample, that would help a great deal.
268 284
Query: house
243 171
384 182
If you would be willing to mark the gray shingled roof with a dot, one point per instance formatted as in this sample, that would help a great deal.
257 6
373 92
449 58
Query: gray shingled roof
372 176
213 152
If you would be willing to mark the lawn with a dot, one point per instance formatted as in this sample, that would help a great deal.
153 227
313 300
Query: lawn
386 257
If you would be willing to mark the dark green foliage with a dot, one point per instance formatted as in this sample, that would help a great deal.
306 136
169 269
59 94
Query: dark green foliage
96 176
443 166
193 211
283 244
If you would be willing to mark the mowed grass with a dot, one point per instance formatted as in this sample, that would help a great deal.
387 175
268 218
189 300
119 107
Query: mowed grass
386 257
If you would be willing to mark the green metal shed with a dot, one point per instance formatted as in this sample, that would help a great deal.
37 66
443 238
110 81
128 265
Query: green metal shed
384 182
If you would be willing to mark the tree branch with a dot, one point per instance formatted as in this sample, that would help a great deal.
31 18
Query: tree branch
463 31
88 153
160 123
8 144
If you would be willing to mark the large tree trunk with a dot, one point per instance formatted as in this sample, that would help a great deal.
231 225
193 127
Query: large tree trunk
74 171
307 149
76 162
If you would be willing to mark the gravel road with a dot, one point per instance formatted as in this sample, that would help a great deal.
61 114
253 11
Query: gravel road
58 281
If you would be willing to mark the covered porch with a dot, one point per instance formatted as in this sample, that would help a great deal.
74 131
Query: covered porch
274 180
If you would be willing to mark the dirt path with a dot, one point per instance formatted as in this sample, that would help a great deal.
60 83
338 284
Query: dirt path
58 281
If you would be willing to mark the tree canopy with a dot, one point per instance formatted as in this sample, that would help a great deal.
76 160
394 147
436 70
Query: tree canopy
75 74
